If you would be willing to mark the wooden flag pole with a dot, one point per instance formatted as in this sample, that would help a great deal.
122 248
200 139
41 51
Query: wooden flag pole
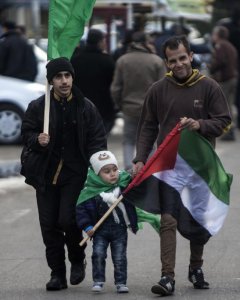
103 218
46 109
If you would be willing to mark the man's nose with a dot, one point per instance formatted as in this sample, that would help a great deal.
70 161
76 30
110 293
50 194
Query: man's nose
178 63
64 78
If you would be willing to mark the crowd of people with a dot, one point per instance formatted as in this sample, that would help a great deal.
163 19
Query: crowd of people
102 78
77 178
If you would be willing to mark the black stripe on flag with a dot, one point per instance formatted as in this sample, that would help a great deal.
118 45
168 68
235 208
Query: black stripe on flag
155 196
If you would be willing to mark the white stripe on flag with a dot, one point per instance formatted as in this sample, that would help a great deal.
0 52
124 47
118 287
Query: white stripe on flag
204 207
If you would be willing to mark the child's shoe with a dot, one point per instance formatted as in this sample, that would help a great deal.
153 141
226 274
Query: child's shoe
97 287
122 288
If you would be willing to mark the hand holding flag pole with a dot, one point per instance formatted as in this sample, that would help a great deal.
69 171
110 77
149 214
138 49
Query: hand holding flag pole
104 217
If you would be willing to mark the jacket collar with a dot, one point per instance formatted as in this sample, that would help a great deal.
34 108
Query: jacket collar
58 98
193 79
138 47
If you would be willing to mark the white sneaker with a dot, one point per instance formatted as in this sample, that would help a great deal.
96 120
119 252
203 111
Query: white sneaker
122 288
97 287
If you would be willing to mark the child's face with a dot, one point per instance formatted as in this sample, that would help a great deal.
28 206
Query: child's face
109 173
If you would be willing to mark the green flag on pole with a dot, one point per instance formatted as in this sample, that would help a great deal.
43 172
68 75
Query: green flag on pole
67 19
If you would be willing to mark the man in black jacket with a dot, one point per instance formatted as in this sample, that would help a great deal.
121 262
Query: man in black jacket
17 58
56 164
94 73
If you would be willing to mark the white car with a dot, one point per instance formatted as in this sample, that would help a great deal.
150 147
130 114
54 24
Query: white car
41 56
15 95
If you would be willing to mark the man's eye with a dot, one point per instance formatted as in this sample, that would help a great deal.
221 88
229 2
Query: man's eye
182 57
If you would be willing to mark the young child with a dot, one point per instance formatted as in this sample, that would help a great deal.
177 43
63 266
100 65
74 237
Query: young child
102 187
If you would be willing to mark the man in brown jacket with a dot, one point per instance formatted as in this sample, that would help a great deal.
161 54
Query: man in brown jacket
135 72
224 68
199 103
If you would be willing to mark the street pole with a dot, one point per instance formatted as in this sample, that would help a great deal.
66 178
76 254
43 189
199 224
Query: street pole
129 16
113 36
36 19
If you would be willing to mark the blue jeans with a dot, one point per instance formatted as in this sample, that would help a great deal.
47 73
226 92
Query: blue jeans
115 235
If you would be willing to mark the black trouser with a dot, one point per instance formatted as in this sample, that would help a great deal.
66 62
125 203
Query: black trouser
56 208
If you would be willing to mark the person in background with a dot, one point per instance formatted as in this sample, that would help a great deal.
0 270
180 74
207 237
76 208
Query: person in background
223 68
102 188
135 72
123 49
17 58
183 95
56 165
94 73
233 26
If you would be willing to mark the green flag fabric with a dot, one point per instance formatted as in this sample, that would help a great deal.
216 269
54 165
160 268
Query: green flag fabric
94 185
144 216
67 19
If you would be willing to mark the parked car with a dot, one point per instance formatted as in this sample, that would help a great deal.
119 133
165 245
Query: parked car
14 99
41 56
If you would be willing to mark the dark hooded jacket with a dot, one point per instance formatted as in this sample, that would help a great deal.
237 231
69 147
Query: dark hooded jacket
35 159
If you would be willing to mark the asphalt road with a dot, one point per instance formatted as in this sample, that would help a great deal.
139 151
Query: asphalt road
24 272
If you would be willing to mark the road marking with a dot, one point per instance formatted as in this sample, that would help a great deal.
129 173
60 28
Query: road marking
15 215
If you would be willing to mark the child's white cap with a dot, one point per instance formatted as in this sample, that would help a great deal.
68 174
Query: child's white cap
101 159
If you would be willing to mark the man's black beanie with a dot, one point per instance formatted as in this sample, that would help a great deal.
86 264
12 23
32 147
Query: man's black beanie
57 65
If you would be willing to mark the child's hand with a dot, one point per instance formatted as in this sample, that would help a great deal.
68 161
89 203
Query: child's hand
90 232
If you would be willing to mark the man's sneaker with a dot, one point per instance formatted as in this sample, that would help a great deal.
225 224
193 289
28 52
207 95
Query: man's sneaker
122 288
196 276
164 287
77 273
56 283
97 287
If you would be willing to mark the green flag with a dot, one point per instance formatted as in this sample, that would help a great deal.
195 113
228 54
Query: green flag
67 19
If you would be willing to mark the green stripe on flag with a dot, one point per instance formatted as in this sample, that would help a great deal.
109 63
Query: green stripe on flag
202 158
67 19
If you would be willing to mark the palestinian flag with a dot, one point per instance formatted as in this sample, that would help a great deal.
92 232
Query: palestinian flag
184 178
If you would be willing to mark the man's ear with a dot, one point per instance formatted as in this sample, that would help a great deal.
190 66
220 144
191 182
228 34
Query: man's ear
166 63
191 56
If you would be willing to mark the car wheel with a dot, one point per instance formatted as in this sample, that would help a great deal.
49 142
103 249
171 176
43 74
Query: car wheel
10 124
